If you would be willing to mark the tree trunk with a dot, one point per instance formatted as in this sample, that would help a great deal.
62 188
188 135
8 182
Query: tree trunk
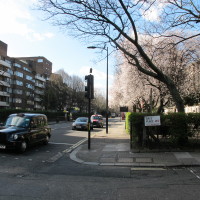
176 97
161 107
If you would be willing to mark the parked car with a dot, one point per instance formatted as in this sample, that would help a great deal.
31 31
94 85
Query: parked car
97 121
81 123
113 115
24 129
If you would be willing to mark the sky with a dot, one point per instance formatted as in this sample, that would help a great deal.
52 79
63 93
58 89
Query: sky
26 34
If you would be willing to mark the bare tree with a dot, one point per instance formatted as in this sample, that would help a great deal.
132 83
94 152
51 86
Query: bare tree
99 102
74 89
65 76
113 22
56 93
135 87
183 14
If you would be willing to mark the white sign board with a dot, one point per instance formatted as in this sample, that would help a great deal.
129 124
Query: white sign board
152 121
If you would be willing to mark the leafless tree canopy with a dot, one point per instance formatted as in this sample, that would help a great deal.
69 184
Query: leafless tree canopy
123 24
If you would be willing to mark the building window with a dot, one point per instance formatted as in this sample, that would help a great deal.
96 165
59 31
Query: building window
29 94
9 90
8 61
17 100
18 74
26 69
40 60
20 83
16 82
30 102
17 65
10 71
29 77
28 85
17 91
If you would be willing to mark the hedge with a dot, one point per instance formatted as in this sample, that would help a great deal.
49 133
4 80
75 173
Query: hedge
75 115
177 127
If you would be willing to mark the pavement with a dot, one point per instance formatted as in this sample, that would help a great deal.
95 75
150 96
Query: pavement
113 149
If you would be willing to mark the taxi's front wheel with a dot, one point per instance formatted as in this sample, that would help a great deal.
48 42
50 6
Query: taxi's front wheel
46 141
23 147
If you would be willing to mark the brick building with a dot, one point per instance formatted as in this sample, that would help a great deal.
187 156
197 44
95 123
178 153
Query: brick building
22 80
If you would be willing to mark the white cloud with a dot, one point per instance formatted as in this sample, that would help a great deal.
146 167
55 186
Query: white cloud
153 12
99 75
16 19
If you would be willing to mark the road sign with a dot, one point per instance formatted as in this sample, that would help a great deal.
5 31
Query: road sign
152 121
124 109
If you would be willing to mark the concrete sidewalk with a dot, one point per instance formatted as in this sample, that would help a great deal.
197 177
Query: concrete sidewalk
113 149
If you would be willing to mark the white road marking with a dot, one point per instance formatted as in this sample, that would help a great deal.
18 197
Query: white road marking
55 157
60 154
75 145
60 143
197 176
147 168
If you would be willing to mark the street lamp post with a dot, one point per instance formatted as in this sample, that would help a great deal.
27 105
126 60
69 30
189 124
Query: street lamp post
93 47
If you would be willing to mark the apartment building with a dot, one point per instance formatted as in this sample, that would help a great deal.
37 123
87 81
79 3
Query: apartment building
22 80
5 76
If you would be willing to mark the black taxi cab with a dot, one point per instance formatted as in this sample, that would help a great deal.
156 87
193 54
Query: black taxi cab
24 129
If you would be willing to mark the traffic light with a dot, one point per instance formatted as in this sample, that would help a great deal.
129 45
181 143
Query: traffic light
89 86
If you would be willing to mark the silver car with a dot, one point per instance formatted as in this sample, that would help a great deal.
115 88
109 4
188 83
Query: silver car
81 123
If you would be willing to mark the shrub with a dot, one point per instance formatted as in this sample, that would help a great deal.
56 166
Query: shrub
75 115
176 127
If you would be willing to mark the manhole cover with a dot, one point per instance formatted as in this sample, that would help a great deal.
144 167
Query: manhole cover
144 160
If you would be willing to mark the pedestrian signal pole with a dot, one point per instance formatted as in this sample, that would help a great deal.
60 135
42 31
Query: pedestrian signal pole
89 94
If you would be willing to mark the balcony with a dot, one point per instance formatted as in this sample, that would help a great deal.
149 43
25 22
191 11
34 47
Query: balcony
38 106
29 102
3 73
40 78
37 99
4 83
4 63
5 94
2 103
39 92
39 85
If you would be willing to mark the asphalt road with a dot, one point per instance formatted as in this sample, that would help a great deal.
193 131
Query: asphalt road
45 172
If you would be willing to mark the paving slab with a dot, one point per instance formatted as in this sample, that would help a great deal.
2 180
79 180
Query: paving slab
113 149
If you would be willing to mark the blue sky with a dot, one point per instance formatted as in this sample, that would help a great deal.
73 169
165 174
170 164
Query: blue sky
27 35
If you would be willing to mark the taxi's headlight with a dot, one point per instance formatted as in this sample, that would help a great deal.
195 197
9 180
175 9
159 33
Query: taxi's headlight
15 136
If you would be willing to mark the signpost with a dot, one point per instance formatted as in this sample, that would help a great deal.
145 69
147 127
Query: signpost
150 121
